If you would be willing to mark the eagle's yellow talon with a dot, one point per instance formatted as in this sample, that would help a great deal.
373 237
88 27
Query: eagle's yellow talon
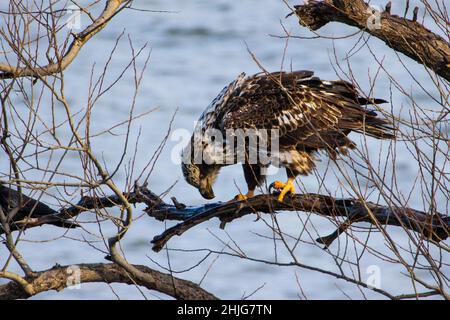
288 187
240 197
278 185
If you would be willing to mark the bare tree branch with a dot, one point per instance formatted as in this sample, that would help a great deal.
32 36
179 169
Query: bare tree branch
58 278
8 71
436 228
86 203
23 209
406 36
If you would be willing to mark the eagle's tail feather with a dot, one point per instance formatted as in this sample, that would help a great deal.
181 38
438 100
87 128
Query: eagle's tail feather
368 121
357 117
364 101
377 127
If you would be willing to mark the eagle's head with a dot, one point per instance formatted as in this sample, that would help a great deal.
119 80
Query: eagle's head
201 176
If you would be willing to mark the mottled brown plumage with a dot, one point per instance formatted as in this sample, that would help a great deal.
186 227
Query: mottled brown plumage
310 114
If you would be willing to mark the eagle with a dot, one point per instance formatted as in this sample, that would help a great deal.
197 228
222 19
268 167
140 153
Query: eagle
308 114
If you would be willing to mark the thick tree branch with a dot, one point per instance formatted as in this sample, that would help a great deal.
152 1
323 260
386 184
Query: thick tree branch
59 277
435 228
86 203
431 227
21 209
111 8
403 35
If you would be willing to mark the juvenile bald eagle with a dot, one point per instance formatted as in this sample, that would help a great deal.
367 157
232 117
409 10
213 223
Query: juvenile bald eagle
309 114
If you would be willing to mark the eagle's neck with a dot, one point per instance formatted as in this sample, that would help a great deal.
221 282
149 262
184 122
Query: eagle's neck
218 106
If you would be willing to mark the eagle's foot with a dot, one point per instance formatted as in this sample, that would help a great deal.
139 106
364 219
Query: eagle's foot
284 188
242 197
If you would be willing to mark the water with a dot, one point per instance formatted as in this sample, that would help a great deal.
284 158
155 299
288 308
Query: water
197 49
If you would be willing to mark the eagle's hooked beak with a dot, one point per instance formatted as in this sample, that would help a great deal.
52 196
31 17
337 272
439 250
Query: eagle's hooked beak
207 192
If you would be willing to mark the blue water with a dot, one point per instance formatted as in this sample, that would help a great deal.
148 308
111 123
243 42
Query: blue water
196 48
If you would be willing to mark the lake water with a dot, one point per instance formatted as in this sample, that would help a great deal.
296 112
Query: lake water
196 49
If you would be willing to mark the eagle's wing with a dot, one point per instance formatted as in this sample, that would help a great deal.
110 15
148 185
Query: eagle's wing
299 105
